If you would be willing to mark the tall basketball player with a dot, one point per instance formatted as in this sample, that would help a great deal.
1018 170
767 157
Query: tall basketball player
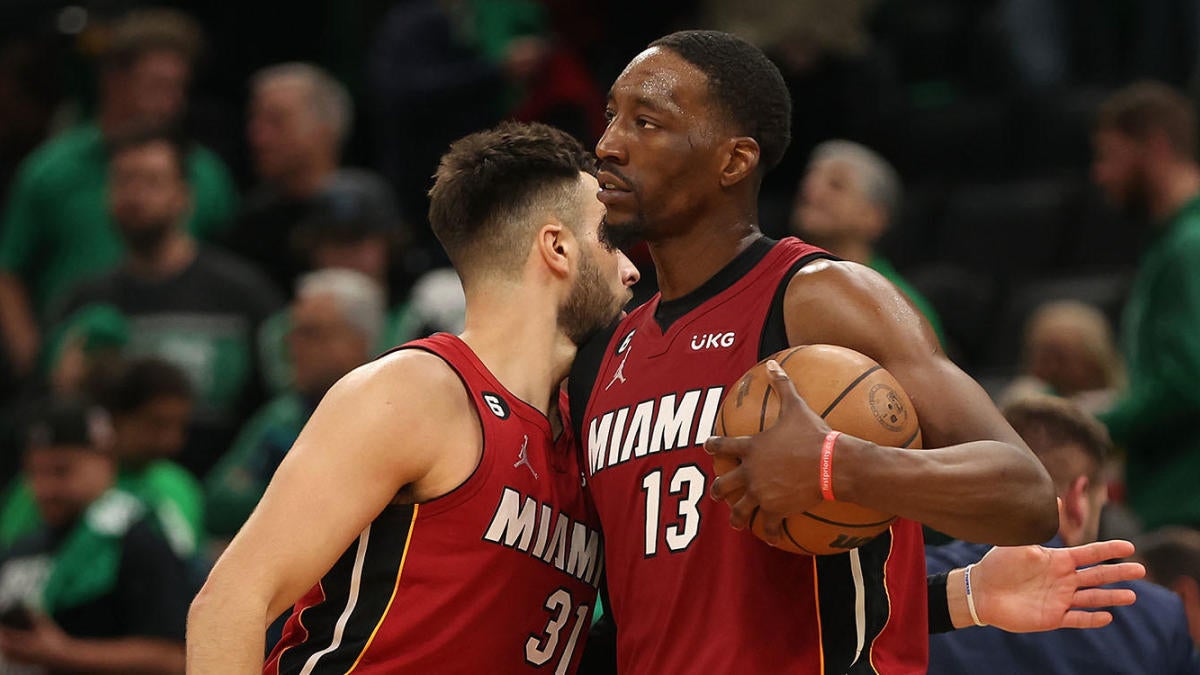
694 123
430 518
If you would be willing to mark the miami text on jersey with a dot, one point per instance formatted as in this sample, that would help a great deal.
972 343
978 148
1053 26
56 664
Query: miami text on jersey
667 423
573 548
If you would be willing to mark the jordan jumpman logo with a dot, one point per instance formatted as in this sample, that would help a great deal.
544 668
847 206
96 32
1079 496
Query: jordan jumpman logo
523 458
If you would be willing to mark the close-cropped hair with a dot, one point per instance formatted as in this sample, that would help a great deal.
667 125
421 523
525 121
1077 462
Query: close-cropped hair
744 83
492 186
1052 427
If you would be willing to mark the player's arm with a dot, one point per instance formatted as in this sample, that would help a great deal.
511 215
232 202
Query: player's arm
979 481
384 426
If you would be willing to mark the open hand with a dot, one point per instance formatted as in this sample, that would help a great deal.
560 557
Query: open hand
1024 589
778 471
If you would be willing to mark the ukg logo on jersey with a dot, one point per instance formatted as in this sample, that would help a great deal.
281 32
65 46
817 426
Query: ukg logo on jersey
713 341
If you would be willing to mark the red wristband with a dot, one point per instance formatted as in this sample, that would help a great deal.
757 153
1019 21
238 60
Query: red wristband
827 465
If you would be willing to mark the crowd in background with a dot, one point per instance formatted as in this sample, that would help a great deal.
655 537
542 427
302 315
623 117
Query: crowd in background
212 212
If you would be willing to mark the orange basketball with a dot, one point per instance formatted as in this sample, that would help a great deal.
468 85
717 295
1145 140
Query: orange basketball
854 395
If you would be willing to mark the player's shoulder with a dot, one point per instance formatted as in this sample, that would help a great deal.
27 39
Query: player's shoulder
836 282
846 303
414 371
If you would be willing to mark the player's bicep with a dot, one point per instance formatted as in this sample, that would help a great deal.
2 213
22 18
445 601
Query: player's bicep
365 441
852 306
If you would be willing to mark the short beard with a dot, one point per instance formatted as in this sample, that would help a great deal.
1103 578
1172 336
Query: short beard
589 306
623 237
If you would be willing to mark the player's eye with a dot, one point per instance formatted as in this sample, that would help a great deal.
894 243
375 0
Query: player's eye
646 124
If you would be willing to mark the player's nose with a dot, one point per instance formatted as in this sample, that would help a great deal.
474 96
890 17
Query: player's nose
629 272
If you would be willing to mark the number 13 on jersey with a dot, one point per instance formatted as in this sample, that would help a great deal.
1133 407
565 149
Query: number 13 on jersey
686 487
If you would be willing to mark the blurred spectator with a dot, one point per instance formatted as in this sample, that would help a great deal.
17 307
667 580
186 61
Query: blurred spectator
845 203
300 119
1150 636
150 404
1145 144
96 589
191 305
1069 351
842 84
56 229
335 324
343 234
441 69
1172 559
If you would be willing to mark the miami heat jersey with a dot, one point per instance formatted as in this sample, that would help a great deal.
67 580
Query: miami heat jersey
497 576
690 594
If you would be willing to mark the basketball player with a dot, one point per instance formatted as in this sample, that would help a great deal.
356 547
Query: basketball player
694 123
430 517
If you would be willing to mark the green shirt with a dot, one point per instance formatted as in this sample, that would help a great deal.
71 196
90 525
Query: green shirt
234 486
885 269
172 495
57 230
1154 418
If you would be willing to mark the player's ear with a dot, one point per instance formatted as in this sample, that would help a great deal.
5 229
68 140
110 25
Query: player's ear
555 247
1073 513
740 160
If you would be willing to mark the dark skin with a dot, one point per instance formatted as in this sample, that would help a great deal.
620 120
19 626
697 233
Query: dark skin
688 183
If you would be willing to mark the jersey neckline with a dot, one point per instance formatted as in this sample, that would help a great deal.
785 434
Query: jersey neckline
667 312
519 405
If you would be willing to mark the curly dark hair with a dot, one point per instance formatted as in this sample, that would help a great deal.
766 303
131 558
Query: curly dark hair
490 183
745 84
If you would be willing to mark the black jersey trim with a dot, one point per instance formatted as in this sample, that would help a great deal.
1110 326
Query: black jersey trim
351 587
670 311
582 380
840 622
774 336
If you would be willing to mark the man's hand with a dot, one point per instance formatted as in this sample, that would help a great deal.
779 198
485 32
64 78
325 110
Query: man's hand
778 472
43 644
1024 589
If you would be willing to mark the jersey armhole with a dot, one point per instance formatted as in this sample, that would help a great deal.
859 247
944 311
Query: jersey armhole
584 372
774 334
469 485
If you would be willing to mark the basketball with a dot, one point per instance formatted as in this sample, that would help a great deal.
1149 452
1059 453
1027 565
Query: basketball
854 395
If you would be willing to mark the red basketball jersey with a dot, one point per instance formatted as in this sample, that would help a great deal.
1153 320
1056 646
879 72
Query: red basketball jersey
689 593
498 576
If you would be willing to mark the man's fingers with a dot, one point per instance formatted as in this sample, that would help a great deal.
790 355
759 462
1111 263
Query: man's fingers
778 378
743 511
729 484
1090 598
772 527
1098 552
1080 619
1107 574
727 446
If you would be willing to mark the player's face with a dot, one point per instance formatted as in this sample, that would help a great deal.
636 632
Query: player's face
1118 167
832 203
147 195
65 480
284 131
658 159
602 285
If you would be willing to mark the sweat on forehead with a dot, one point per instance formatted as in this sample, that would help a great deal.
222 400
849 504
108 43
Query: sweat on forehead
656 78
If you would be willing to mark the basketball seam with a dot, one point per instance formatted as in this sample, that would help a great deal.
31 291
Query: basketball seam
841 524
912 438
793 539
850 387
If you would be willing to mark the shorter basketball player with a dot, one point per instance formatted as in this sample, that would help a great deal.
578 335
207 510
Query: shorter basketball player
431 517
